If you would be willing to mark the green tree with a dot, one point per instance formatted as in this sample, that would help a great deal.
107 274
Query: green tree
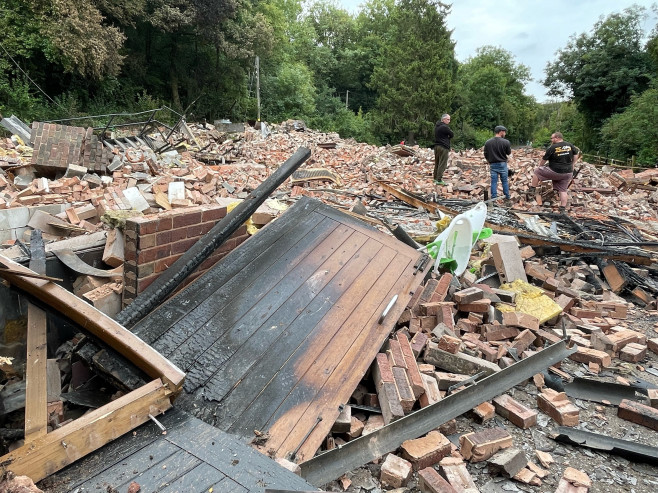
414 69
603 69
634 132
491 92
561 117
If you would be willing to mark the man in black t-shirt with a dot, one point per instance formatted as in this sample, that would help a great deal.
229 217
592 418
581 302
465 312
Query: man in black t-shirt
561 156
496 152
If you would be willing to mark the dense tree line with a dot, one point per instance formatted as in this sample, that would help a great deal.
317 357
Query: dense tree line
382 75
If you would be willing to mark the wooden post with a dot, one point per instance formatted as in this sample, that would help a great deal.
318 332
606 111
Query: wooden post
36 406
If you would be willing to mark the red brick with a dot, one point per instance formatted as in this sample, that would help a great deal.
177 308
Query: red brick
514 411
178 234
412 367
198 230
431 481
146 241
394 353
162 238
499 332
450 344
638 413
481 445
585 355
483 412
143 226
165 263
652 344
187 219
213 214
426 451
558 407
418 343
468 295
523 341
395 472
519 319
633 352
430 308
441 289
153 254
182 246
479 306
163 224
142 284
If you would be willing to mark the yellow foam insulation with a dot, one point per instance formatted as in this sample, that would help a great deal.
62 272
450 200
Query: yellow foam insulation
251 227
531 300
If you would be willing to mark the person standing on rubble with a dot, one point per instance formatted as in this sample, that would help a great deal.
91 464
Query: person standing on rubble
442 136
561 156
496 152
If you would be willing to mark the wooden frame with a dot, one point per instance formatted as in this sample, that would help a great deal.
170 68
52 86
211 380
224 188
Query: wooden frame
43 454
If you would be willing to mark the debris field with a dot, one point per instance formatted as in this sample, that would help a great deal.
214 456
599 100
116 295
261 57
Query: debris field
109 216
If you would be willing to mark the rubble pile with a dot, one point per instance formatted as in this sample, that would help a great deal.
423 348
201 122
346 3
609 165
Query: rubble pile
512 302
456 330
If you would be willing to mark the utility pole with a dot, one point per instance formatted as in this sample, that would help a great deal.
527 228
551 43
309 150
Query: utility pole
258 86
347 98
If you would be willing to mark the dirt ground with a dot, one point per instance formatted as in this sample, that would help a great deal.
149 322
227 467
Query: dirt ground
607 472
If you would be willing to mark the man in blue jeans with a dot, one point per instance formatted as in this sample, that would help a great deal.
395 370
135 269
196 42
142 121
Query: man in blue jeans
496 152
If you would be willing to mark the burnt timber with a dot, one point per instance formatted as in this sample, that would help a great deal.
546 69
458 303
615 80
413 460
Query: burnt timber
278 334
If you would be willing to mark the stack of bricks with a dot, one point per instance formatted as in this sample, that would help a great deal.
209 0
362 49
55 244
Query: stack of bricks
55 147
154 242
95 156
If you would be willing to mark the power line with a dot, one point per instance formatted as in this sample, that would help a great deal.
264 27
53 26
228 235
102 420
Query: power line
28 77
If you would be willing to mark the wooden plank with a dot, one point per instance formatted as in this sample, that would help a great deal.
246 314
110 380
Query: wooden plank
47 454
232 355
122 472
609 254
357 351
303 334
36 406
222 450
334 373
97 323
254 303
201 479
244 264
36 412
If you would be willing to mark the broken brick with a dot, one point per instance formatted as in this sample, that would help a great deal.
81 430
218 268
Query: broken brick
481 445
638 413
426 451
395 472
430 481
558 407
515 412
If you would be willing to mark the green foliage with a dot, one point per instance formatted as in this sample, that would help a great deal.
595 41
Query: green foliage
634 132
604 69
289 93
491 87
414 69
561 117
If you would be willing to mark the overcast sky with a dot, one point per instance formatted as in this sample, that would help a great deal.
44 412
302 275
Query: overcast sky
533 31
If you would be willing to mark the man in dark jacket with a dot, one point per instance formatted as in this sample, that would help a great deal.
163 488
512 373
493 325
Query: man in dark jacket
442 136
561 156
496 151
